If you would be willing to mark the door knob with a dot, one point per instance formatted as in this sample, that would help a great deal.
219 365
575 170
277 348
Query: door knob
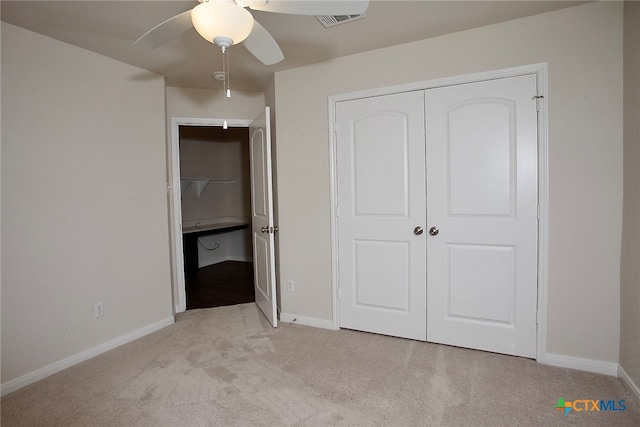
434 231
418 230
264 229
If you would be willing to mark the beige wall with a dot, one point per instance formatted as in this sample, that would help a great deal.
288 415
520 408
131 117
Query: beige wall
84 215
630 270
583 48
204 103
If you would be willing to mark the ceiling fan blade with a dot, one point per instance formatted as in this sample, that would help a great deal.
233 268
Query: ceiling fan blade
308 7
168 30
262 45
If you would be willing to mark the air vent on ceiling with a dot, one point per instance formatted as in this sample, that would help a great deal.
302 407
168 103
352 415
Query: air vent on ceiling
333 20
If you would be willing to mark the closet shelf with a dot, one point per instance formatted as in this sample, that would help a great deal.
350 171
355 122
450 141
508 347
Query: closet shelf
201 183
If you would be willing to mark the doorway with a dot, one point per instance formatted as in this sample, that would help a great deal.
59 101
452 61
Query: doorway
261 222
215 211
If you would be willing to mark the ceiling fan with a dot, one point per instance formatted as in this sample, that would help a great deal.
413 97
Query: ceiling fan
228 22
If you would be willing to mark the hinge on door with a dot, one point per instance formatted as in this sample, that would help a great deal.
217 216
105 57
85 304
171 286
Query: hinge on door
339 293
538 98
538 214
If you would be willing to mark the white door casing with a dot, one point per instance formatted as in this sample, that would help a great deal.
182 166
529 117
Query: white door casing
175 204
518 335
482 197
267 264
381 200
262 223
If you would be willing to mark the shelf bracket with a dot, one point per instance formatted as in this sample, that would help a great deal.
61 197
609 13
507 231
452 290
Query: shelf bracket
201 184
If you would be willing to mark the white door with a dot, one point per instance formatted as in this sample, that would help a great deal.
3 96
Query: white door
381 200
262 226
482 198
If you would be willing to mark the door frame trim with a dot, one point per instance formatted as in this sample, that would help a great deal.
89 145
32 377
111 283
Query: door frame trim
541 72
175 205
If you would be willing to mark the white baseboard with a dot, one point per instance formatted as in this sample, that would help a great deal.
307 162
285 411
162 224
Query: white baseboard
307 321
589 365
240 258
626 379
38 374
223 259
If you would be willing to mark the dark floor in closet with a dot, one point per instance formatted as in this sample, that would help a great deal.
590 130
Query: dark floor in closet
225 283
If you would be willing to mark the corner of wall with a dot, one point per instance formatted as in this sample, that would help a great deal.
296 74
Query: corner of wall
630 247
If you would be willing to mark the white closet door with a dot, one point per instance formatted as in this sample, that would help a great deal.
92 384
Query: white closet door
381 208
482 198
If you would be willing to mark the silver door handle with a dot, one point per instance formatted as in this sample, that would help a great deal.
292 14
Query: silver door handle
434 231
418 230
264 229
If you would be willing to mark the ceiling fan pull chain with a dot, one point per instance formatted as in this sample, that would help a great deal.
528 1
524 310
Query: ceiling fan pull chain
225 87
228 77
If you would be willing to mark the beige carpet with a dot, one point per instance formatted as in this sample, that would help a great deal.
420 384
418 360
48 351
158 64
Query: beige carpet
227 367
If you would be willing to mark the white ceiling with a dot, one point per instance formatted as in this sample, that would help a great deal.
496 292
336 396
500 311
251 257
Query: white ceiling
110 27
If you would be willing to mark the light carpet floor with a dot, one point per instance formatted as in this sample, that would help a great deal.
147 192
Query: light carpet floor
227 367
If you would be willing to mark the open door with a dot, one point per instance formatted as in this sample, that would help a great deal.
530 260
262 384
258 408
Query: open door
262 226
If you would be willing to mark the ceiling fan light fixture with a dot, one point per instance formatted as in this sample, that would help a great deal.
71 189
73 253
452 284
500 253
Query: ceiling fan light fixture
222 20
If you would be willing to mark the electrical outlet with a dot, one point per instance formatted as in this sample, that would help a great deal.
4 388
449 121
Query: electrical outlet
290 286
99 309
